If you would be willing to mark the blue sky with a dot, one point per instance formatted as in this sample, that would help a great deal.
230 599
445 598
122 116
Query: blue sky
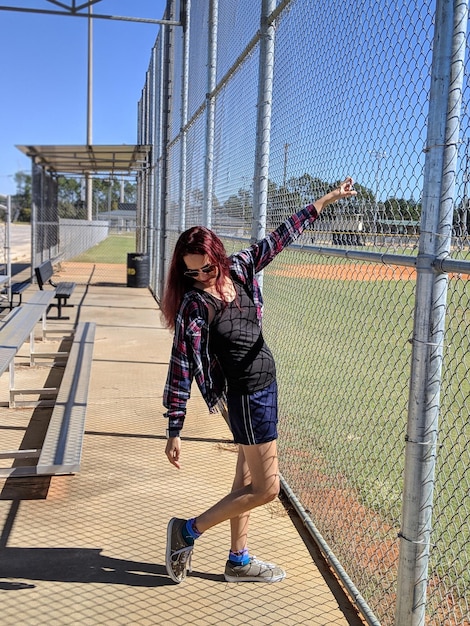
382 108
44 77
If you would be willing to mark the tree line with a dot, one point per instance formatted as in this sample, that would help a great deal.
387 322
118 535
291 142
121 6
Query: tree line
107 193
282 200
300 191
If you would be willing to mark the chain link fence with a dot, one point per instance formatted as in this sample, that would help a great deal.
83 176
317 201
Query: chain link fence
94 249
258 109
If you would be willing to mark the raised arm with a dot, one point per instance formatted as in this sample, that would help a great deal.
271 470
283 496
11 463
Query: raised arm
260 254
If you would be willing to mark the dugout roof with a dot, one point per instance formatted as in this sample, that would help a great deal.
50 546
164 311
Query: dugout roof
97 159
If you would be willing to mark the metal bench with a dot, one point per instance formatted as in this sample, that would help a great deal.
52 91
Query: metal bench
15 329
16 289
63 290
62 447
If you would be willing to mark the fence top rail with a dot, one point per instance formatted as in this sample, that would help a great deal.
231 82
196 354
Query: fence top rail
439 265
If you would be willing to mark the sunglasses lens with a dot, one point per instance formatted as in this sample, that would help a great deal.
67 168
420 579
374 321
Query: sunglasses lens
195 273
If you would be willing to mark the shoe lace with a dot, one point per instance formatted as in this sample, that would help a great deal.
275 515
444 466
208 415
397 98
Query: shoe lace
183 556
255 559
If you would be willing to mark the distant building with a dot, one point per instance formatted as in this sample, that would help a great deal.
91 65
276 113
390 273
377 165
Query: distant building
123 218
398 227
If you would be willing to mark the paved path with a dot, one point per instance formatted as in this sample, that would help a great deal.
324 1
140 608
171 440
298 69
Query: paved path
89 549
20 242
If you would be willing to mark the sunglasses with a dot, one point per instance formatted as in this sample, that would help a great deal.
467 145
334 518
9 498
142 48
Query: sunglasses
207 269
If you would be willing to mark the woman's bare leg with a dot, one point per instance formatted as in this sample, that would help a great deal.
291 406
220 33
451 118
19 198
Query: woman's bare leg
262 464
239 524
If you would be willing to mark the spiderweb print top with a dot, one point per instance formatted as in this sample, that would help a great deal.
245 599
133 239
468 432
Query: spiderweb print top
236 339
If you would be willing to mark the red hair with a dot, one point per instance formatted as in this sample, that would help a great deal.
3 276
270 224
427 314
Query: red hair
195 240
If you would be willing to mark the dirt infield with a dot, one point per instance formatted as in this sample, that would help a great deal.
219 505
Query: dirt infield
94 273
353 271
366 271
99 273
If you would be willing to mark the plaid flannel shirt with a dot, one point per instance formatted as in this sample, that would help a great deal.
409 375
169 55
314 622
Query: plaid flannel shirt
191 357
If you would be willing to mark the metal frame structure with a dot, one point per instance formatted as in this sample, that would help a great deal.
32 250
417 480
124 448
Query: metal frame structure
81 9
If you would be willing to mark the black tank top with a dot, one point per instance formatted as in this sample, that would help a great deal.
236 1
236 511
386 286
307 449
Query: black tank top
236 339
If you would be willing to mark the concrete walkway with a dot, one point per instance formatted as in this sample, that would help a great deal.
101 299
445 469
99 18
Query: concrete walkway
89 549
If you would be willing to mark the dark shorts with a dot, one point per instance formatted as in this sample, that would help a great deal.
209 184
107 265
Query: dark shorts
253 417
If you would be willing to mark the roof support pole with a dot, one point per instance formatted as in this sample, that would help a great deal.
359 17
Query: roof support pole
89 131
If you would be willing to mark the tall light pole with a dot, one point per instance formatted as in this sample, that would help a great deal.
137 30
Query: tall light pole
286 156
379 155
243 205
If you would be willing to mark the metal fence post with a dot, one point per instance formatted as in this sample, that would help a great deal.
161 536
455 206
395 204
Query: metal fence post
210 113
429 316
142 179
165 130
263 123
156 164
149 174
8 246
186 21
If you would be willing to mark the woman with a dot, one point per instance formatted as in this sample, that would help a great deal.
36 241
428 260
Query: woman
214 304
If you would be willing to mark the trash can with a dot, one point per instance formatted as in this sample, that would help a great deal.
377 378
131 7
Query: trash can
138 269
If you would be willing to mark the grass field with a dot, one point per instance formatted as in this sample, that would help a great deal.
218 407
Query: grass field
343 356
113 249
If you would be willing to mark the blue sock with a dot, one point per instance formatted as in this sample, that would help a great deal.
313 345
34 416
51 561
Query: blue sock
241 557
190 531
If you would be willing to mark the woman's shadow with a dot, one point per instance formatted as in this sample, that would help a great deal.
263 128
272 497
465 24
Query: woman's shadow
84 565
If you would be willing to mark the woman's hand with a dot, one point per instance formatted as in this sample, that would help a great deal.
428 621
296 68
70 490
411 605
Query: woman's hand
345 190
173 451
